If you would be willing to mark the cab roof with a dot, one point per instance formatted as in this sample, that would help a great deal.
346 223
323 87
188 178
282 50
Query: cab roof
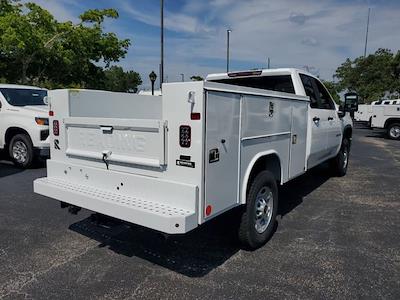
18 86
253 73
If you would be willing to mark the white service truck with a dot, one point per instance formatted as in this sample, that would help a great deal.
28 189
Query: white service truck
24 123
172 163
387 117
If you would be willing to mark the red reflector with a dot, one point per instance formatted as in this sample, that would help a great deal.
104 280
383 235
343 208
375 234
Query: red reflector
195 116
56 128
208 210
51 113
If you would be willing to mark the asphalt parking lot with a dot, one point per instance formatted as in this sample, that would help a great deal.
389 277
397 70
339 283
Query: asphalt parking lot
336 238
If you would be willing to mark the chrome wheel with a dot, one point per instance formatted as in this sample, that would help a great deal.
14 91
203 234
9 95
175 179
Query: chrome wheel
20 152
345 157
394 132
263 209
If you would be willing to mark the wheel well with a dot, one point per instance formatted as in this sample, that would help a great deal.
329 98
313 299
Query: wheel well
268 162
13 131
391 121
348 133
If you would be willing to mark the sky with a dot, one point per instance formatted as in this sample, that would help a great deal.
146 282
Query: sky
317 35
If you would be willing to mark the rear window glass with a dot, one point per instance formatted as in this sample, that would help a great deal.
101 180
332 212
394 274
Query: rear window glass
281 83
24 97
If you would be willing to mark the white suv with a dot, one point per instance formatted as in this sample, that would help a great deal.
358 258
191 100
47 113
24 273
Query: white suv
24 123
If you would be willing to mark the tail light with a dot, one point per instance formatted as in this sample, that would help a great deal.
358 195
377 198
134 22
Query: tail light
185 136
56 128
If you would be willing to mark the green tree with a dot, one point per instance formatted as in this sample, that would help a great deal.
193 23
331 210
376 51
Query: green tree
372 77
196 78
333 90
35 48
117 80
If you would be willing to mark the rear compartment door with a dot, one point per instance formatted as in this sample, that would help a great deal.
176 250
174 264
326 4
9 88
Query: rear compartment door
222 151
117 141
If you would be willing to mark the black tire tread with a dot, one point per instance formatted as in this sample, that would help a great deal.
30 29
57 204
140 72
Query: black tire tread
248 238
28 142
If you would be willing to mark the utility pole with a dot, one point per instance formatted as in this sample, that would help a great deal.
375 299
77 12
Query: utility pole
228 32
183 77
366 35
162 44
269 63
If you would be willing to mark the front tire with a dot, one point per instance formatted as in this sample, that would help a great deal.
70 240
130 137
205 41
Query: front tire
21 151
341 161
393 131
259 216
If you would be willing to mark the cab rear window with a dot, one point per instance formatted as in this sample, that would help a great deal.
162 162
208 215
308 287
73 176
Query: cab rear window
278 83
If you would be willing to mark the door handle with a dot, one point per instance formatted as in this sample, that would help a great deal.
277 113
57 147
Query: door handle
316 119
330 118
107 129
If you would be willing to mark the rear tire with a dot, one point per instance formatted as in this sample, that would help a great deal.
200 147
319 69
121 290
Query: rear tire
21 151
393 131
258 219
340 163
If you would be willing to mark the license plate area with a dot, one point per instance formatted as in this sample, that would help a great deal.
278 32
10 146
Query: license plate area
126 141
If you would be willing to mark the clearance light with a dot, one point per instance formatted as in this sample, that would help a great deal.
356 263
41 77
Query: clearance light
245 73
56 128
195 116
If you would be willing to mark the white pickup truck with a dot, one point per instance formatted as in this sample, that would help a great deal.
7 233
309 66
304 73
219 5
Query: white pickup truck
387 117
174 162
24 123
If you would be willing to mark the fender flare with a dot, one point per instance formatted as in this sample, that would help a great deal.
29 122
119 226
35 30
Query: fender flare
250 168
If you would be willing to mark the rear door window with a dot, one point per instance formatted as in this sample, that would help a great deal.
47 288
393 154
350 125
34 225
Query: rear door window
310 89
278 83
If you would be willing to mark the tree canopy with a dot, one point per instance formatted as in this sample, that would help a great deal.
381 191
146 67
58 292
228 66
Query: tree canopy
37 49
372 77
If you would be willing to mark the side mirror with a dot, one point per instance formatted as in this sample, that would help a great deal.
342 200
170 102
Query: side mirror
350 103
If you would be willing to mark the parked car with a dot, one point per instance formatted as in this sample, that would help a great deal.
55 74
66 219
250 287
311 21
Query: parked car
176 161
24 123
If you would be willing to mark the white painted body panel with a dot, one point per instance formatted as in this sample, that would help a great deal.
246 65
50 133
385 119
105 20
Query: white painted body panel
364 113
23 117
382 113
140 136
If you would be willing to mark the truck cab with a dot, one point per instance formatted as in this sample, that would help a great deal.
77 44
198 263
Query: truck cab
327 126
24 123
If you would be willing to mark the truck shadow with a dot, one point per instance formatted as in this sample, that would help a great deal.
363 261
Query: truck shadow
292 193
7 169
201 250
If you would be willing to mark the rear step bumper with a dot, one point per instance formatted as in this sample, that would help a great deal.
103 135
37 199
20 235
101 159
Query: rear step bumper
158 216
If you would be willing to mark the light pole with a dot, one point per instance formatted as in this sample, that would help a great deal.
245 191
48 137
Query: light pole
366 34
228 32
162 44
153 77
183 77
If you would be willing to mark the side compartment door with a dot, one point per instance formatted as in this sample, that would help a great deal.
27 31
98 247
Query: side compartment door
317 123
222 151
298 141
